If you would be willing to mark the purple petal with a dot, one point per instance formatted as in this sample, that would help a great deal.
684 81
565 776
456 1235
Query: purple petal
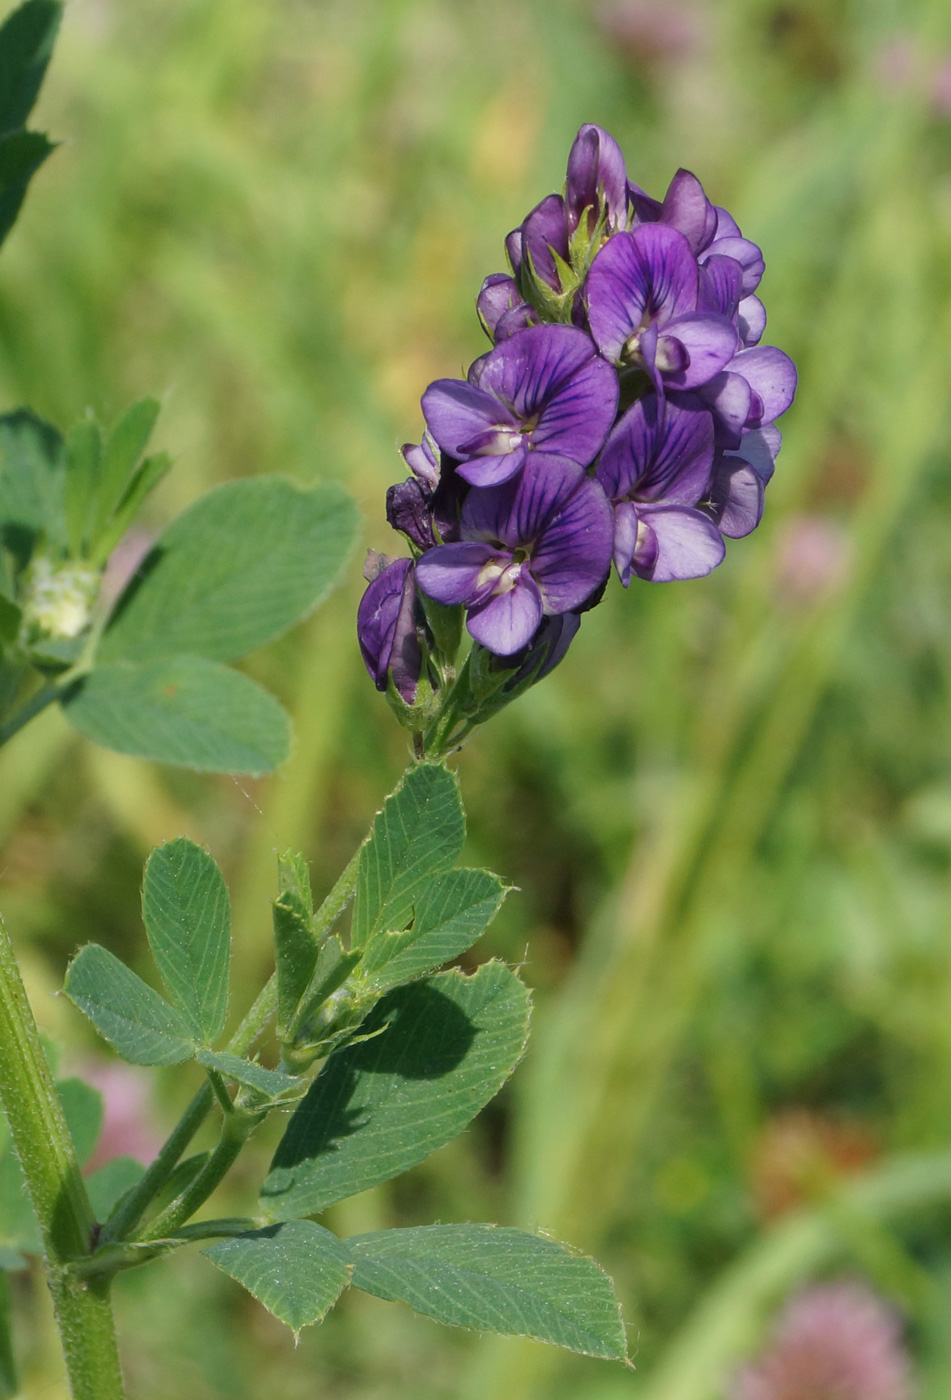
646 209
596 176
737 497
687 208
513 247
720 286
422 461
689 545
545 230
649 340
552 376
407 510
728 396
577 417
670 356
533 365
752 320
517 513
760 448
645 550
648 273
451 573
555 634
727 227
499 294
490 469
710 342
772 375
747 254
457 412
506 622
659 452
573 555
386 629
518 319
625 540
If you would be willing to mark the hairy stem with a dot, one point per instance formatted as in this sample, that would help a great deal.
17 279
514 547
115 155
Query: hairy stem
48 1158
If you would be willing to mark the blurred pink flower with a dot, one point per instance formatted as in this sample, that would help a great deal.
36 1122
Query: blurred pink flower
834 1342
898 61
812 558
941 88
128 1128
650 32
905 66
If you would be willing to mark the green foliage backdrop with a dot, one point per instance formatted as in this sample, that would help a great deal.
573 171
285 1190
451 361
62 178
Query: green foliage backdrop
728 814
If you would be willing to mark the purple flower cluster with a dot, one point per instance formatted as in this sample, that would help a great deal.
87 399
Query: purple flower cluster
625 412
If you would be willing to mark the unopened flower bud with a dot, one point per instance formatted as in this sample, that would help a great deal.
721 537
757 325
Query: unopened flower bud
57 599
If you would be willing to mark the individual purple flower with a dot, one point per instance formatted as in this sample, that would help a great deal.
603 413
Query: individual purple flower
834 1342
536 242
386 628
685 207
641 298
709 229
408 510
596 181
501 308
544 392
535 546
423 461
655 469
425 507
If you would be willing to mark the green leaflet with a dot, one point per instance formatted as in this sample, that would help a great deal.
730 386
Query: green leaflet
297 1270
377 1108
267 1081
418 835
495 1280
451 912
188 921
27 36
237 569
138 1023
31 481
185 710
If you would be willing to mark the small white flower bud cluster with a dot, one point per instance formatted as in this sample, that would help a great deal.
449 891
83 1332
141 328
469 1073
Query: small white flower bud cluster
58 598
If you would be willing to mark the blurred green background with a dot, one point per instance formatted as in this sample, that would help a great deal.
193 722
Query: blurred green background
728 813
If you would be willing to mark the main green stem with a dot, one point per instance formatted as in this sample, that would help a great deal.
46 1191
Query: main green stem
48 1158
